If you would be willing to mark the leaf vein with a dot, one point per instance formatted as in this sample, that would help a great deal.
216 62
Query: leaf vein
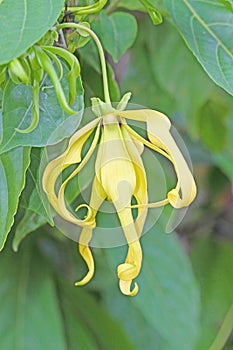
23 23
220 67
202 22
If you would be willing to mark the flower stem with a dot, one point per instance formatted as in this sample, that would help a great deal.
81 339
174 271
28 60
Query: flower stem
101 54
224 331
112 7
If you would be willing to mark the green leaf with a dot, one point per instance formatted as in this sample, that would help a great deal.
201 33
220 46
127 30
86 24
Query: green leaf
224 159
93 84
133 320
117 32
99 323
181 81
212 261
37 211
13 167
139 76
207 28
90 55
54 124
212 125
78 335
33 194
24 23
168 298
29 223
131 5
30 317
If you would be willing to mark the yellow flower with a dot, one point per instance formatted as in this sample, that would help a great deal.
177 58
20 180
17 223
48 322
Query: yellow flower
119 176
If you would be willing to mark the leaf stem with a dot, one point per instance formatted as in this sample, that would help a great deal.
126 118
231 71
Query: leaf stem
112 7
224 331
101 54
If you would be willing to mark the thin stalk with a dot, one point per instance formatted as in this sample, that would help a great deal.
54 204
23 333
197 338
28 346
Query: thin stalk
111 8
63 40
101 54
224 331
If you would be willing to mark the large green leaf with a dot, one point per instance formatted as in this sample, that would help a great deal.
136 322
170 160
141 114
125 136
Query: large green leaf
131 4
117 32
29 223
23 23
94 86
168 298
170 86
32 197
212 125
98 322
30 318
36 210
212 262
181 81
138 76
13 166
78 335
132 319
207 28
54 124
224 159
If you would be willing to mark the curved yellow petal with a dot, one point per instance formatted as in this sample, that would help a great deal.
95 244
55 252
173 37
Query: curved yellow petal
54 168
159 133
97 197
61 193
115 171
85 252
130 269
158 128
140 192
114 167
142 201
140 139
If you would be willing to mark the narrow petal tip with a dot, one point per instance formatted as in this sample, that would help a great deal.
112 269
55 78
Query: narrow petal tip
125 288
126 273
85 279
178 201
173 197
87 256
89 216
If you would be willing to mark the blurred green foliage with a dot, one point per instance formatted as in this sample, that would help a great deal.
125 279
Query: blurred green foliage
186 281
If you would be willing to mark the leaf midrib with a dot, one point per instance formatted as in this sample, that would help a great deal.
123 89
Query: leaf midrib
202 22
23 23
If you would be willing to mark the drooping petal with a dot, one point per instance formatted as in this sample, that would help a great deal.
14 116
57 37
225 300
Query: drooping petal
86 253
97 197
114 167
140 140
116 172
134 148
145 142
130 269
54 168
61 193
159 132
158 128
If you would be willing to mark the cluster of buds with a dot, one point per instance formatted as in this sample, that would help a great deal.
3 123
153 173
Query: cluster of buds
30 69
